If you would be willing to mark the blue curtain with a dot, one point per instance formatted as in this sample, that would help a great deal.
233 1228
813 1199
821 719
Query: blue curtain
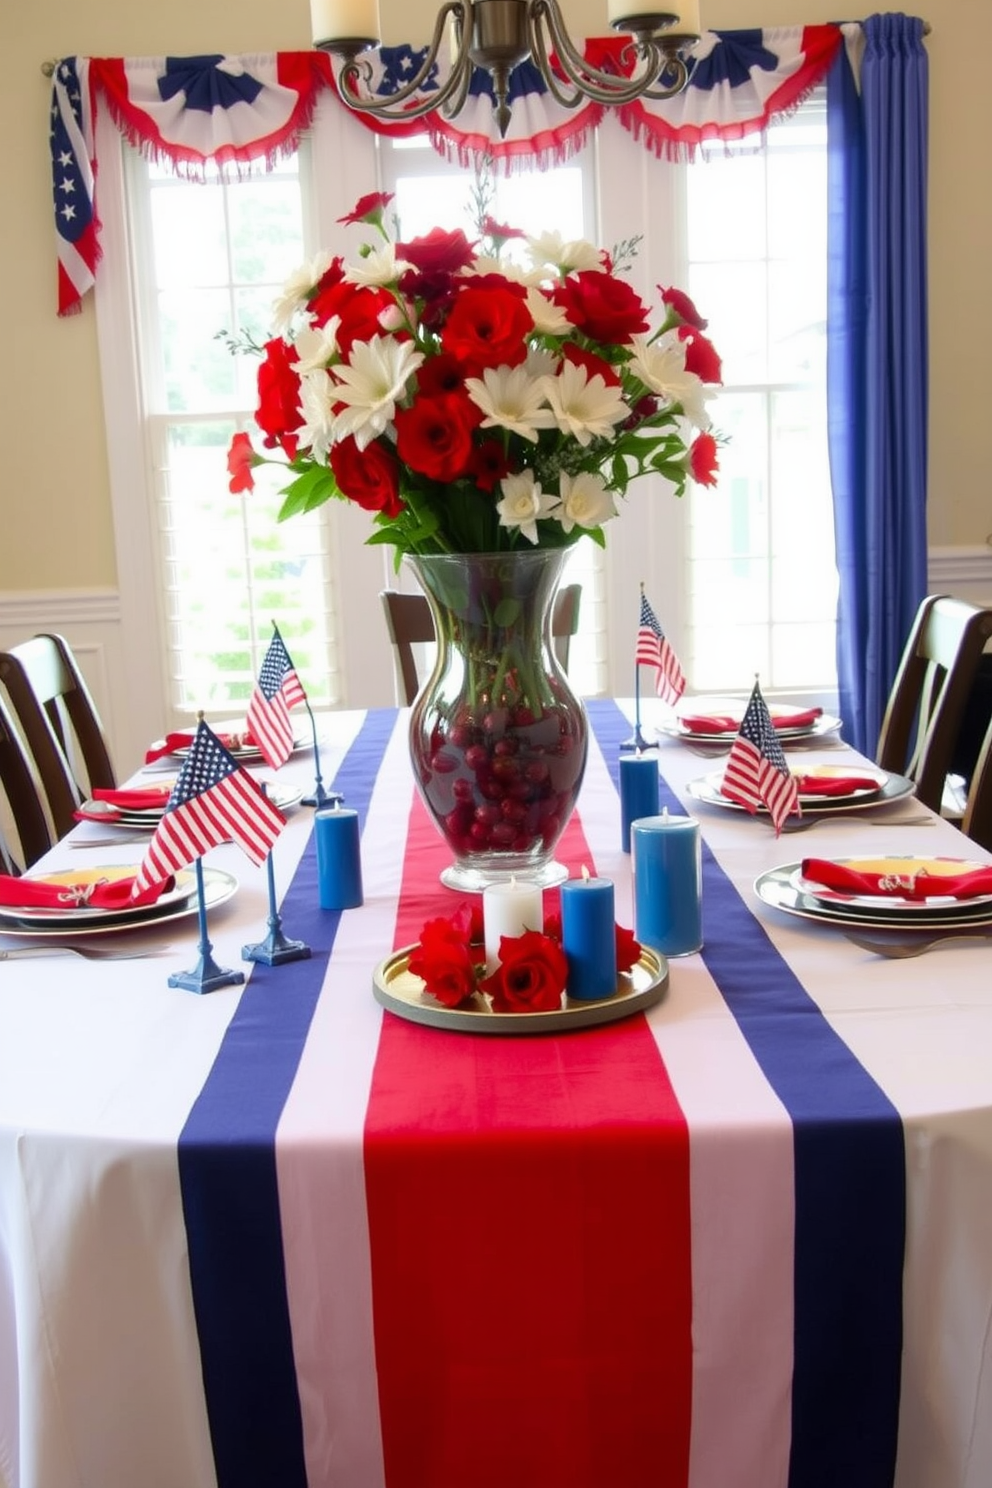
877 358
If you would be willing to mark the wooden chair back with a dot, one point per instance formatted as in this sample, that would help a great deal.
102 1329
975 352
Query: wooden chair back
24 808
929 696
59 723
410 623
977 823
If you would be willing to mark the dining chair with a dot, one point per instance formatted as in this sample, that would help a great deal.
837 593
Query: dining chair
20 804
410 623
977 821
59 722
928 699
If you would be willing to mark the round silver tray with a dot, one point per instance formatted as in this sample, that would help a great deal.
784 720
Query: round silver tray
397 989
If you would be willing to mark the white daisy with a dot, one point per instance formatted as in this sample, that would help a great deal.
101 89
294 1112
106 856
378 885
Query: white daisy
511 399
316 346
297 290
523 503
371 385
585 501
549 319
379 266
584 406
660 365
551 250
316 404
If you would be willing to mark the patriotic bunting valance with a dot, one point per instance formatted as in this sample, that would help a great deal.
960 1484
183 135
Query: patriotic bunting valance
231 111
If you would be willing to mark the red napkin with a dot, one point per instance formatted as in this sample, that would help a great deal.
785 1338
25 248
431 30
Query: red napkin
910 886
107 805
835 785
40 893
722 723
173 742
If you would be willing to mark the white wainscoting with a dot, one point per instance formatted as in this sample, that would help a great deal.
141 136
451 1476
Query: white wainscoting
90 620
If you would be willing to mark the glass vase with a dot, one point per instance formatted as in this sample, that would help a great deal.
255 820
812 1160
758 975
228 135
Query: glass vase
498 739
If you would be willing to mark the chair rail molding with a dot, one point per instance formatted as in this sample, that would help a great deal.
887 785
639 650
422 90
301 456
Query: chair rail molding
964 572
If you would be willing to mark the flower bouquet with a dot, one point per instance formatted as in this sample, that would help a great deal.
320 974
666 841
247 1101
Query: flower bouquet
488 413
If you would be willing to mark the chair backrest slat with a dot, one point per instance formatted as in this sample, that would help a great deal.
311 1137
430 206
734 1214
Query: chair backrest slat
928 699
59 723
409 623
23 801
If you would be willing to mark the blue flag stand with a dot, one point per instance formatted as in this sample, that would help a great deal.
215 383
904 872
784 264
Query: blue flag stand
637 741
320 796
275 948
207 976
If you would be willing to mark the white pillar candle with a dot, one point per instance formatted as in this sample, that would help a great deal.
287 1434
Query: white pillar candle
686 13
333 20
509 909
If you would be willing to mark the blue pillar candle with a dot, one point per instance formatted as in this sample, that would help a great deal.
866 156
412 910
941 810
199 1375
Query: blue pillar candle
638 791
668 883
339 860
588 937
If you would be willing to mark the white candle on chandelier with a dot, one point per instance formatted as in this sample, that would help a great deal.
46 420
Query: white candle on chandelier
687 22
332 20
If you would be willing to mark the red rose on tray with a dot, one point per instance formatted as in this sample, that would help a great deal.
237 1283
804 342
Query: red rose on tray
444 959
531 974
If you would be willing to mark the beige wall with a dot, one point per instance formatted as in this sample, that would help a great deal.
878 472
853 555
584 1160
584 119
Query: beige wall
56 511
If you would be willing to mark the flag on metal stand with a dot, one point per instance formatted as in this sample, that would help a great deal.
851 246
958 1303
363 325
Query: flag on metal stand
277 690
213 801
757 772
654 650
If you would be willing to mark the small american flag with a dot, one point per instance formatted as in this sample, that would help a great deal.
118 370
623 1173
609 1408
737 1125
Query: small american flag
213 801
278 689
757 773
654 650
73 181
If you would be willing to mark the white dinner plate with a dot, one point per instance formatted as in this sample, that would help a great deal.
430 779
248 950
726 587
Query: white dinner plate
826 724
245 754
173 904
104 813
778 889
891 788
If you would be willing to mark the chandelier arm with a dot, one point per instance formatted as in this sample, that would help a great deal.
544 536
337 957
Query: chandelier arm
592 82
462 67
353 73
542 57
674 64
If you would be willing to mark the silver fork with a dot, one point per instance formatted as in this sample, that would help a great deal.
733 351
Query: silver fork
901 950
88 953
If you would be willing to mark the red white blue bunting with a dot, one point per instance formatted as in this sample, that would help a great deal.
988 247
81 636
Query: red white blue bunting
195 113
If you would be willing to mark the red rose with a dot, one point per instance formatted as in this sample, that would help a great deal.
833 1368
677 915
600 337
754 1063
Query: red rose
703 464
531 974
369 208
701 356
594 365
440 252
628 949
602 306
440 374
680 305
278 413
487 328
369 477
444 961
241 459
358 309
434 435
489 464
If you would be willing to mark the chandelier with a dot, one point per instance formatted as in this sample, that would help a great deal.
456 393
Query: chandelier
497 35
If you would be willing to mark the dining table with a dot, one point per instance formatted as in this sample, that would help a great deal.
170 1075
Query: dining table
279 1235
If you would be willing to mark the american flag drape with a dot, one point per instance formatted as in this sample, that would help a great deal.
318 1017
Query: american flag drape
71 139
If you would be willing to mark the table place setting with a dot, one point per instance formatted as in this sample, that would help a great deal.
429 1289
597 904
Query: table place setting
712 724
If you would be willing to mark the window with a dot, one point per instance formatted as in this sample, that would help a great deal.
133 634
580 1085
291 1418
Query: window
742 577
763 584
209 260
